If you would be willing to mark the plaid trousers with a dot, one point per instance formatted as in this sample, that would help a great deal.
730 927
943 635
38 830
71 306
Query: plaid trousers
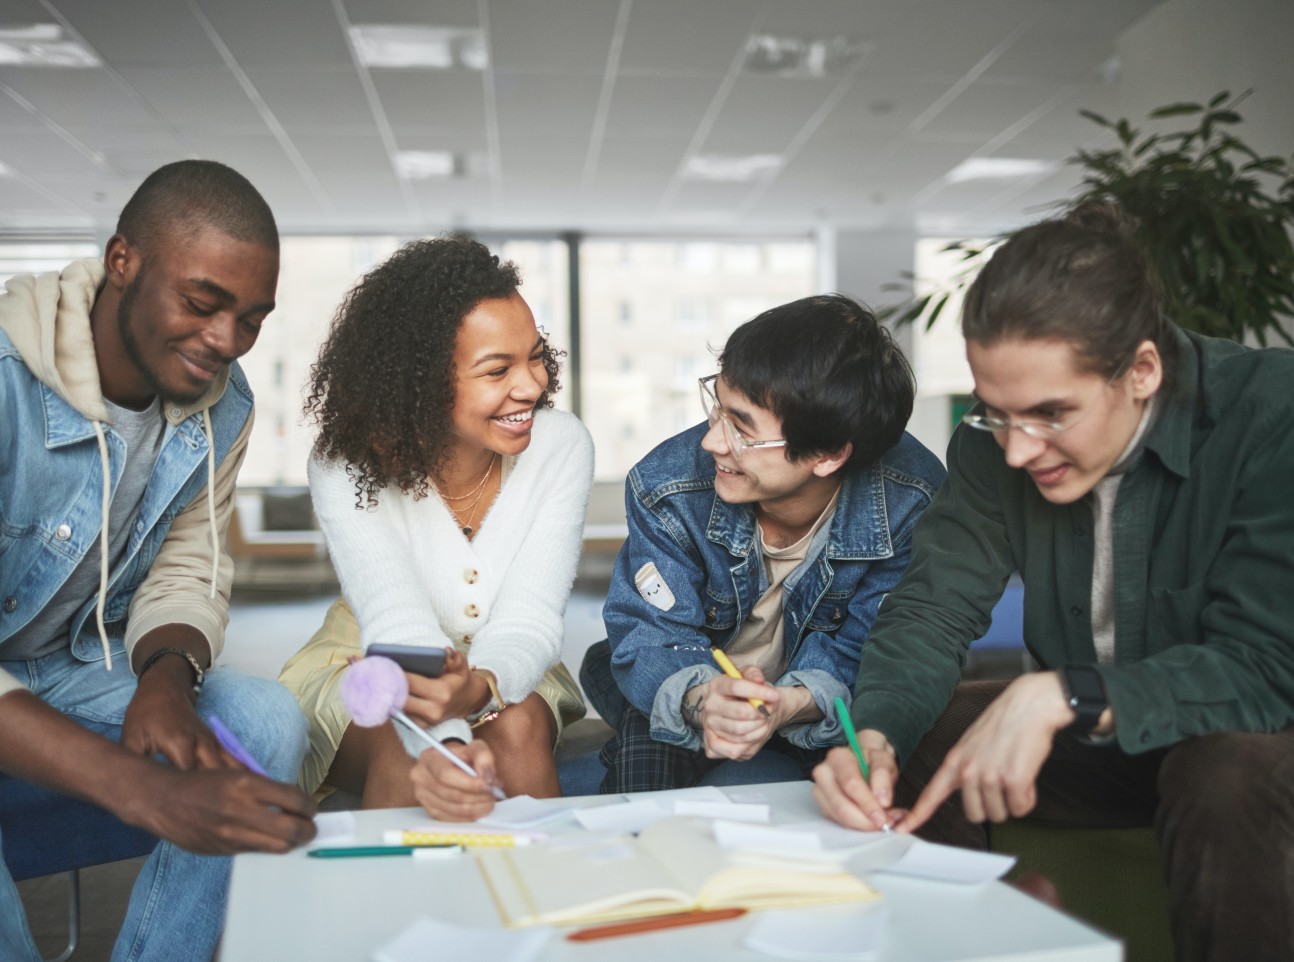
636 762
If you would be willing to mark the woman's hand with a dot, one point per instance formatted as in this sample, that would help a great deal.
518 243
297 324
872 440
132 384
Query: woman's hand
457 693
450 794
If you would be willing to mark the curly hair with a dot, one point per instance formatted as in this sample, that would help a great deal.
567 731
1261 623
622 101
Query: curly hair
382 389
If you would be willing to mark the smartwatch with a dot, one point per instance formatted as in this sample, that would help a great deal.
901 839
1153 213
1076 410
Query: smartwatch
1085 693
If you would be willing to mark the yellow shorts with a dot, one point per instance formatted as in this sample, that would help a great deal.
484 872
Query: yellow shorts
314 673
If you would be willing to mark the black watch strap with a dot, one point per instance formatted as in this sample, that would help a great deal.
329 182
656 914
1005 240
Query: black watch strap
1084 691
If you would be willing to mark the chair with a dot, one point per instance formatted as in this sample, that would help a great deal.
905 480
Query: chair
46 833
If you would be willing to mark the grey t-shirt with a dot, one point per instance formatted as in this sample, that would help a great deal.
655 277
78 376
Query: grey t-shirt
143 432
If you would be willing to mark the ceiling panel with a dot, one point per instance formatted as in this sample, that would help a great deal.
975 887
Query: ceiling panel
72 97
942 39
116 31
13 115
762 114
658 105
823 19
280 32
40 153
19 204
882 152
223 102
985 109
320 99
686 37
546 162
422 99
561 107
640 162
442 13
539 36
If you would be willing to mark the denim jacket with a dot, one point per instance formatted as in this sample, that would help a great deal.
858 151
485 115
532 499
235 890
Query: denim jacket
708 557
51 486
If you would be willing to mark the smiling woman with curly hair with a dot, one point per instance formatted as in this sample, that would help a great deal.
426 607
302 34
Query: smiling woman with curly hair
452 499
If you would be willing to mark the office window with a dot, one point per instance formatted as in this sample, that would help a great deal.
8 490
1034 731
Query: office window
688 296
39 257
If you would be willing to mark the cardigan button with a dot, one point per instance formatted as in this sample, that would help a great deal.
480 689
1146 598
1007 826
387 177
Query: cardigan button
472 611
63 532
10 605
471 575
1076 611
467 639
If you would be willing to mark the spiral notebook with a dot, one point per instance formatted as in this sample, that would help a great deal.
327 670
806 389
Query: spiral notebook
674 865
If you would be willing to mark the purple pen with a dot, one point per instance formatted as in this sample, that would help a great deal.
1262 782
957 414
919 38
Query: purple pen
233 745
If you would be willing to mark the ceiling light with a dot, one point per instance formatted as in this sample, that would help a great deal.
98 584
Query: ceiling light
735 169
43 45
798 57
987 168
425 48
425 164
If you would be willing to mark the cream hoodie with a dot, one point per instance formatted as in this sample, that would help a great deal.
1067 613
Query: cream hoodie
47 317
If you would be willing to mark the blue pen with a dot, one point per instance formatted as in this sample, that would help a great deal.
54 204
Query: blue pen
232 745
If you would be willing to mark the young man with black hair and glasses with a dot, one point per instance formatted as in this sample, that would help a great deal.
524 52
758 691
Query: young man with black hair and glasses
772 533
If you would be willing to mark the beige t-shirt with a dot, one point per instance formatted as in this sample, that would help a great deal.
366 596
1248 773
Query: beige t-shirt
759 641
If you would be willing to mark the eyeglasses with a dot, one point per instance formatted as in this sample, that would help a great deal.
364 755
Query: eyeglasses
1039 430
714 413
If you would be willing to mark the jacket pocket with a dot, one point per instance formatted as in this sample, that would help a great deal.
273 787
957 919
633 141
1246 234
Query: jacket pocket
1174 617
830 612
718 614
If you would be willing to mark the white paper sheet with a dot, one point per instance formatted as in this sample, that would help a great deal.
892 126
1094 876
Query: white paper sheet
944 863
333 827
733 811
744 837
820 935
522 811
429 939
622 817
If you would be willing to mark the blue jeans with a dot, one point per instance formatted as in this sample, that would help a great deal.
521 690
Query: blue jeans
177 908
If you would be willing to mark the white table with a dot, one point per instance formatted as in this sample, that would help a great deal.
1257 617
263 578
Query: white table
339 910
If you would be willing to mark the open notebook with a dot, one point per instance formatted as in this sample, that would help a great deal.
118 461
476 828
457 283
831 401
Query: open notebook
674 865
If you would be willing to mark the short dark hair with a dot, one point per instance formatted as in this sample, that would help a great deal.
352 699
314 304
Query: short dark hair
193 195
383 386
830 371
1079 278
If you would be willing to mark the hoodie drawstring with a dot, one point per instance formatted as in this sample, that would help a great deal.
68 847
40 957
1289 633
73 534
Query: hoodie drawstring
103 544
211 500
103 529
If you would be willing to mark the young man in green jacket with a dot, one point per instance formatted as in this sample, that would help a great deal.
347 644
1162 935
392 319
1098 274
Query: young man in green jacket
1138 478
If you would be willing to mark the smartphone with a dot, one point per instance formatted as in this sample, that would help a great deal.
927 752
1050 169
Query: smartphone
428 662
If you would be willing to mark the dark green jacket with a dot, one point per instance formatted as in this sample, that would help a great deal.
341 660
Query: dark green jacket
1203 567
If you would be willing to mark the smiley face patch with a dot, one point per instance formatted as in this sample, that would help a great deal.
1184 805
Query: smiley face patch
653 588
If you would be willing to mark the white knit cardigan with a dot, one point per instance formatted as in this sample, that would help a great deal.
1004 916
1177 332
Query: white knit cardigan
412 578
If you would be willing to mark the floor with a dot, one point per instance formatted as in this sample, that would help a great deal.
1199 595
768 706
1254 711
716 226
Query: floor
265 627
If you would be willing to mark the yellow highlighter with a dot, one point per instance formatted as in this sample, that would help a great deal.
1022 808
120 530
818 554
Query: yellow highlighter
731 671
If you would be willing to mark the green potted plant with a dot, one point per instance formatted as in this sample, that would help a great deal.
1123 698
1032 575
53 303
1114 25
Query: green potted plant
1214 222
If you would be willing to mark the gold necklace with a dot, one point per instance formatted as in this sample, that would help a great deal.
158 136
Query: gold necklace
467 528
479 485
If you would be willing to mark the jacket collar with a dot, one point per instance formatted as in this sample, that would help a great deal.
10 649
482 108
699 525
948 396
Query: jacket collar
859 529
1170 436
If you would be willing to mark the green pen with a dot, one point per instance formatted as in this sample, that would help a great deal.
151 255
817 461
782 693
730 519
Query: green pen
847 723
361 851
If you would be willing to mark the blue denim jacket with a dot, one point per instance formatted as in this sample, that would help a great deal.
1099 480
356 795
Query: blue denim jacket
51 490
707 552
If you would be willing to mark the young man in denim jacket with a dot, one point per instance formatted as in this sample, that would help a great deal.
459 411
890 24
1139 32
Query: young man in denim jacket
773 533
123 421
